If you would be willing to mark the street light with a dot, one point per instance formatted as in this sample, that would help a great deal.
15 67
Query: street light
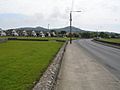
71 25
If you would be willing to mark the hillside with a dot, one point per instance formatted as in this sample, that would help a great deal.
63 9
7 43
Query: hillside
37 29
67 29
31 29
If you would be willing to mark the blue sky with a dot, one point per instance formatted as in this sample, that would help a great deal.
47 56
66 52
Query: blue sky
97 15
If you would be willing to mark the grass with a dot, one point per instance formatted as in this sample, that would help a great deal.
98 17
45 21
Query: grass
112 40
22 63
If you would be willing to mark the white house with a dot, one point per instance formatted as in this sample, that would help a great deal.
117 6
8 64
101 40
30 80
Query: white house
14 33
2 33
42 34
48 33
53 33
34 33
25 33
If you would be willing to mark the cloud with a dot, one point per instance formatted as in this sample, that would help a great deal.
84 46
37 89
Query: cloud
10 20
95 13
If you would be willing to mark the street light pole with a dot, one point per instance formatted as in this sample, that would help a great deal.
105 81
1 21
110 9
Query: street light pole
71 25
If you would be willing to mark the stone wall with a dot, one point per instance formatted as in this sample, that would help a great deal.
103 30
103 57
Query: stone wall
49 78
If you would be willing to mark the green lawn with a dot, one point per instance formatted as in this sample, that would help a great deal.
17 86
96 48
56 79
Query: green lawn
22 62
112 40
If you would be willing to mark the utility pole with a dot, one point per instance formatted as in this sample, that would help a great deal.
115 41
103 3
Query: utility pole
70 27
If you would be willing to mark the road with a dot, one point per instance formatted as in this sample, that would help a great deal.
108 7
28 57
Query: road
108 56
87 66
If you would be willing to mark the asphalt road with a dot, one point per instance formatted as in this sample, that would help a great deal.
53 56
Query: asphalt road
108 56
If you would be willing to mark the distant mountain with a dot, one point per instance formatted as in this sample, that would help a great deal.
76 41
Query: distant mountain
40 29
37 29
67 29
32 29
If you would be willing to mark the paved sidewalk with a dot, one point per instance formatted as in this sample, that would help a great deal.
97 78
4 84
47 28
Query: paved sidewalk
80 71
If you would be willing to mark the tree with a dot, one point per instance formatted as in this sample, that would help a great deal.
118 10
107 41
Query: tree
76 35
63 32
85 35
93 34
104 35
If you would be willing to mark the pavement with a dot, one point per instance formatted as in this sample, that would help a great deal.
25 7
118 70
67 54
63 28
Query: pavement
81 71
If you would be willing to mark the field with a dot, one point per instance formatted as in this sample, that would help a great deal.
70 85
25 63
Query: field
112 40
23 62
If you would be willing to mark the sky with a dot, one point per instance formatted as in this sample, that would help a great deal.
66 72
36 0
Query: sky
96 15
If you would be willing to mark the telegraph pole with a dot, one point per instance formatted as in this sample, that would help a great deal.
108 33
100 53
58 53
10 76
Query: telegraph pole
70 27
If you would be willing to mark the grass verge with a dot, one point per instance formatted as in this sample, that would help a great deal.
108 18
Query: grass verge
112 40
22 63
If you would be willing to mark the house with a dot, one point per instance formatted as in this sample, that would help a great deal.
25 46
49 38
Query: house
34 34
2 33
14 33
42 34
24 33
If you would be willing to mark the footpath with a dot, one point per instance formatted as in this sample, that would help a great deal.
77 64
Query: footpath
80 71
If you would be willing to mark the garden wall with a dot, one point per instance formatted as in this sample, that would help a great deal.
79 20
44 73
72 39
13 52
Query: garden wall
49 78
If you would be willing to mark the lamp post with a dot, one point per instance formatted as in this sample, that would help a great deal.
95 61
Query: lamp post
71 25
